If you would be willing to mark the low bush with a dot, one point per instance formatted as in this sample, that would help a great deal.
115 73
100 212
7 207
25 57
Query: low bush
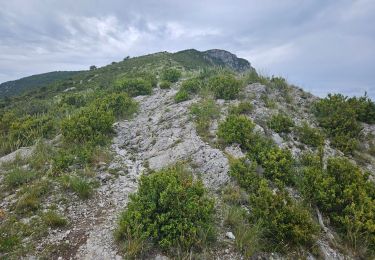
73 155
26 130
204 112
225 86
278 165
134 86
171 75
170 209
76 99
120 104
244 172
192 86
339 118
345 194
286 223
181 96
165 84
280 123
90 124
279 83
364 107
309 135
236 129
241 108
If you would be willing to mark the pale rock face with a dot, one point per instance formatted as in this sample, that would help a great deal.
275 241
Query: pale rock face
229 59
22 153
235 151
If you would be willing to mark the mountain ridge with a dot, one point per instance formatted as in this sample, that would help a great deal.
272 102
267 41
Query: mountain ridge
213 57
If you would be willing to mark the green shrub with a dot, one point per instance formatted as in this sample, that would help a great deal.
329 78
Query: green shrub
73 154
259 145
76 99
244 172
278 165
90 124
53 219
309 135
18 177
25 130
121 105
241 108
280 123
204 112
170 209
192 86
225 86
181 96
165 84
286 223
279 83
364 107
171 75
347 196
338 117
236 129
134 86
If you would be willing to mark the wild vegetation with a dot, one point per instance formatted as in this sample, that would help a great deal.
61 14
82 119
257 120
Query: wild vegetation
170 210
275 190
340 116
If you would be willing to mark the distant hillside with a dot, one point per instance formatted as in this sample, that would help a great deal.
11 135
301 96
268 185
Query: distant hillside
190 59
14 87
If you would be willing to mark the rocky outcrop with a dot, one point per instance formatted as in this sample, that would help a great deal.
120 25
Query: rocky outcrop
228 59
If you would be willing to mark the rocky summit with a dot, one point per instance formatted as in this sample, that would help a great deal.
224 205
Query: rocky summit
186 155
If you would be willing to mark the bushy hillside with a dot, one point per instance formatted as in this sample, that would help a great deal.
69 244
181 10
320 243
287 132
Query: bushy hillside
15 87
187 155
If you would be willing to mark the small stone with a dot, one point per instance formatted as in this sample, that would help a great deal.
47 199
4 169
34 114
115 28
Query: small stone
230 236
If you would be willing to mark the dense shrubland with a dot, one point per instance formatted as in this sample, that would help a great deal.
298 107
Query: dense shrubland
280 220
341 191
345 195
340 116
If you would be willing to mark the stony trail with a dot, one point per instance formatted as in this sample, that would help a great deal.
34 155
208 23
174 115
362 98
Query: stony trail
161 134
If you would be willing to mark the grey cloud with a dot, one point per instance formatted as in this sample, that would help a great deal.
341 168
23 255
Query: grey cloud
325 46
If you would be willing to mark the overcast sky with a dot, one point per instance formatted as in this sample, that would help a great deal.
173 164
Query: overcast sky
321 45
